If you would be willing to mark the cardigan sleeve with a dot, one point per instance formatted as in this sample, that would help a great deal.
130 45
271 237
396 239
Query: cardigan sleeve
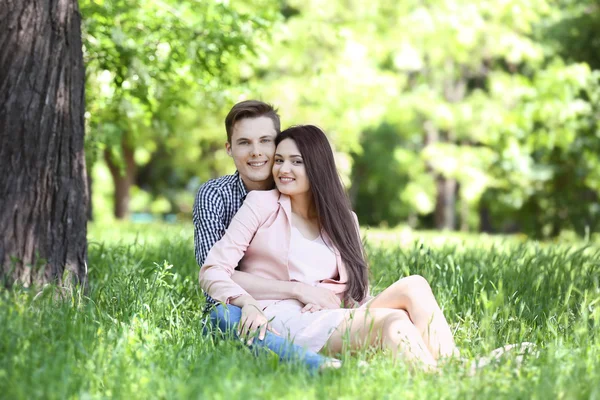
224 256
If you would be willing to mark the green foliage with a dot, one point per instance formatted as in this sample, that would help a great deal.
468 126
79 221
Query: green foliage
501 97
137 332
157 74
482 94
386 175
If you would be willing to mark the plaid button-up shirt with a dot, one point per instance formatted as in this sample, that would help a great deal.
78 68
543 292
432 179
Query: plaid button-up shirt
217 201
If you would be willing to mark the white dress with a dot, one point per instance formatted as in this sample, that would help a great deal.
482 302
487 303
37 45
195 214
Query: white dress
310 261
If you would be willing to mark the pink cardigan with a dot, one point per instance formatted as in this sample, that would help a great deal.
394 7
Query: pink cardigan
258 240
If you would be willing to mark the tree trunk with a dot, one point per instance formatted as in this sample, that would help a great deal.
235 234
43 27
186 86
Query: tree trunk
90 208
43 185
465 212
445 199
445 203
485 218
123 178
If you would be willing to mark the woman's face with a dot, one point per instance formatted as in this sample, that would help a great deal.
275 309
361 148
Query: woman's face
289 172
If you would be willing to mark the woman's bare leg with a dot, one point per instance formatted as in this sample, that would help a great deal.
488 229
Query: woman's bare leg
413 295
388 329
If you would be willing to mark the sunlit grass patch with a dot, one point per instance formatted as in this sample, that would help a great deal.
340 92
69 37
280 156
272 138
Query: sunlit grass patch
138 331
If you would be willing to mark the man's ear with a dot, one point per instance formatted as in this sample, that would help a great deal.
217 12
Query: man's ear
228 148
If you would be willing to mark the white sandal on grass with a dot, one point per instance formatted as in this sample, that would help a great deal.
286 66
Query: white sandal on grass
517 350
331 363
334 363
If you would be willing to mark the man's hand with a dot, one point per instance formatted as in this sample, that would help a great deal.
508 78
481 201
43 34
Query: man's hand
321 297
253 320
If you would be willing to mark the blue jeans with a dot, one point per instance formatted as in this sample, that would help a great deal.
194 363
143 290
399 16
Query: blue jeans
226 319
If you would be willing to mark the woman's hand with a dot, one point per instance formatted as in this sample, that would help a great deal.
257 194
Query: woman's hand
310 307
318 296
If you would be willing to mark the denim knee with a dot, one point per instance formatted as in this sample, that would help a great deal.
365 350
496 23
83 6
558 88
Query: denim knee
225 317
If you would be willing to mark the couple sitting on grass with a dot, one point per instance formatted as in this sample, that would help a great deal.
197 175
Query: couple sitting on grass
282 262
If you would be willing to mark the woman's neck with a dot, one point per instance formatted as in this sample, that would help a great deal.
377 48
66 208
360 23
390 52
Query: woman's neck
302 205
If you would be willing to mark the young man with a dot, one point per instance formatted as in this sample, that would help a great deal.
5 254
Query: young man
251 127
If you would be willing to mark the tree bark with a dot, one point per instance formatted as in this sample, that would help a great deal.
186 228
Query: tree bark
43 185
90 207
445 203
465 210
445 200
123 178
485 218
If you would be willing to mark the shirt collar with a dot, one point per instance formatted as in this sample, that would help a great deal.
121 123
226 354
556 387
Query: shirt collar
241 185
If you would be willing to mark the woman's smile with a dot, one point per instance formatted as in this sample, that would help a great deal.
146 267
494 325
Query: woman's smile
286 179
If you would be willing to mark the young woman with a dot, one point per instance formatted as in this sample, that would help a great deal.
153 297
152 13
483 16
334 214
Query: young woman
305 231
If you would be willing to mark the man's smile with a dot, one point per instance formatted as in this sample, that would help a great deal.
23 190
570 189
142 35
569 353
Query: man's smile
257 164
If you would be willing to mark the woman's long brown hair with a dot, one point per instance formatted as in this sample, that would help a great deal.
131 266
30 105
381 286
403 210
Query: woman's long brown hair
331 203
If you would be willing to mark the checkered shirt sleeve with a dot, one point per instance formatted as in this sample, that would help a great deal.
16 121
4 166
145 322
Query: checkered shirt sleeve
209 228
216 203
208 216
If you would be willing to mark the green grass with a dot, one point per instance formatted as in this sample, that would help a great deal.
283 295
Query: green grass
137 333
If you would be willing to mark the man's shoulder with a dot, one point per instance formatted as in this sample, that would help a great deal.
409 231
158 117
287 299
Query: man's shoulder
215 187
219 183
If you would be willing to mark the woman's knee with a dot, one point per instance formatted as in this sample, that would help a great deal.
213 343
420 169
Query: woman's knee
414 283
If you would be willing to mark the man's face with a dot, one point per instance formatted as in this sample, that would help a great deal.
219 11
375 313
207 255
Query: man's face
252 148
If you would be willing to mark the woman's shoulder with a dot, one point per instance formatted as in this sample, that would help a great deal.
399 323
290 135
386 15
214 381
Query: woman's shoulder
263 195
264 200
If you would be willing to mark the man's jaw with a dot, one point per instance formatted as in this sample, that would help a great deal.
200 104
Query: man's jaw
256 181
256 174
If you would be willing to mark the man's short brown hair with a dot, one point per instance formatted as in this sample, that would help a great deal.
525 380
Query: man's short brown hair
251 109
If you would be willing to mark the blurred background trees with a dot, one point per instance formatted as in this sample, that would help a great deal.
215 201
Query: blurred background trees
445 114
159 74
